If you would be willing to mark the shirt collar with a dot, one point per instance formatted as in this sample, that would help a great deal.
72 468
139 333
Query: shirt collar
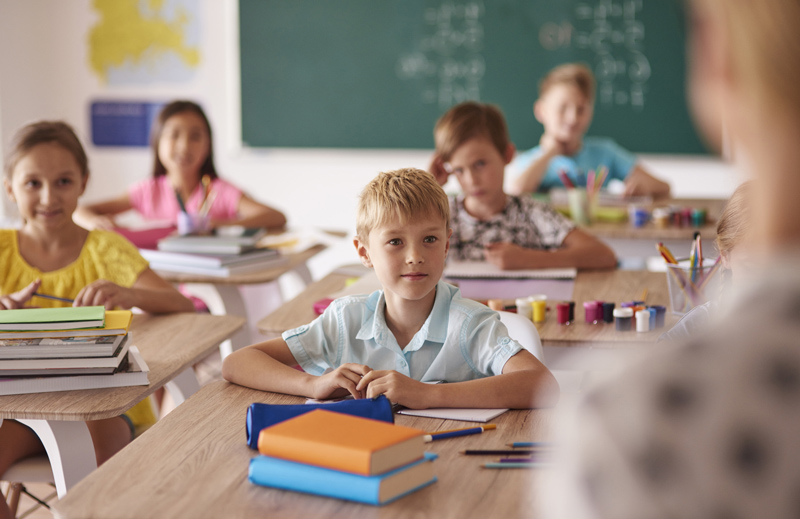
434 328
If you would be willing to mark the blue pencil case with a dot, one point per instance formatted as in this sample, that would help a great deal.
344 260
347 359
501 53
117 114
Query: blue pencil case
260 416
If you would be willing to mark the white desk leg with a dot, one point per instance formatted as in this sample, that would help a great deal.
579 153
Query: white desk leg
183 386
224 300
69 448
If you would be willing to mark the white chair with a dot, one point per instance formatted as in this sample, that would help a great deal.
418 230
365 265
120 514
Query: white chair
524 332
31 470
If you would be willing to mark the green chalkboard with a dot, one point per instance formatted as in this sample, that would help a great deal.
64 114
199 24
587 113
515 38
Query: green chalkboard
378 73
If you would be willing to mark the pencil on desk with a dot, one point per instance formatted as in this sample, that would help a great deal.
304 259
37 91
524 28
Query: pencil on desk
530 444
498 452
54 298
485 427
524 465
457 432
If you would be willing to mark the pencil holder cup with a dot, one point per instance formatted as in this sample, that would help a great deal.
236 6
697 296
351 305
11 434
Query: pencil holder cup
579 209
692 287
193 223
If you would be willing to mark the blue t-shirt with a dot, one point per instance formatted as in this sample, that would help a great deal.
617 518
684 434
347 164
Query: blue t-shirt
595 152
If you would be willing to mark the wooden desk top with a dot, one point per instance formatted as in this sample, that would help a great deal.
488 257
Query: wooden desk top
194 463
608 285
250 278
168 343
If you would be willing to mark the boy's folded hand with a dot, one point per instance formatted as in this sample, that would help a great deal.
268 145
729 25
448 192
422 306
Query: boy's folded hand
340 382
398 388
505 255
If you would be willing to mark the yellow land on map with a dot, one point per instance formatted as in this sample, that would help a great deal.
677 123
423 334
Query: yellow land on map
124 33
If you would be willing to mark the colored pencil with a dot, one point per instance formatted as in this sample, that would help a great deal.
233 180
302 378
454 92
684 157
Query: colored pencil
526 465
454 434
54 298
562 174
180 201
485 427
530 444
499 452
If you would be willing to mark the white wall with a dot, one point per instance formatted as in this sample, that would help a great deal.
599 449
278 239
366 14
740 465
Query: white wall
44 73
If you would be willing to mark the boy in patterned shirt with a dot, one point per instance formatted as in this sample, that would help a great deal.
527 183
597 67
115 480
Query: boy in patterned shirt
508 231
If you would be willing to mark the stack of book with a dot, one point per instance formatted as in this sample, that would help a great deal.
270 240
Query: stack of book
214 255
347 457
60 349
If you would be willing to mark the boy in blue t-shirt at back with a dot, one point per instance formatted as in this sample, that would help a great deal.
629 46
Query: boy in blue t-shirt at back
417 329
565 109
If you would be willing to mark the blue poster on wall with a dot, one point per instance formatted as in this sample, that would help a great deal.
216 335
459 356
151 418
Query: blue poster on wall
122 123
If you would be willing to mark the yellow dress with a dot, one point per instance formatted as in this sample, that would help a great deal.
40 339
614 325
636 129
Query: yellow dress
105 255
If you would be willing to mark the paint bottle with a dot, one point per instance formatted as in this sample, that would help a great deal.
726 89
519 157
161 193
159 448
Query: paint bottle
661 217
623 318
524 308
661 313
562 313
643 321
590 310
539 311
638 215
698 217
608 312
571 311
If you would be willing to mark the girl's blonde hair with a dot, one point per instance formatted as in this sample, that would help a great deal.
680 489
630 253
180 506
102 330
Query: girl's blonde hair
735 220
44 132
763 47
406 194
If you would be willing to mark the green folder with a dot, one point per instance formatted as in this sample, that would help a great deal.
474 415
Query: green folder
24 319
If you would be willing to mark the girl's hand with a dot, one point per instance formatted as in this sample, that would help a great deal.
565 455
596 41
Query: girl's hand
398 388
340 382
105 293
18 299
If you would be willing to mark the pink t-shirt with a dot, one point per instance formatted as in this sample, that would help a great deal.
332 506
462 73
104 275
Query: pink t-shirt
155 199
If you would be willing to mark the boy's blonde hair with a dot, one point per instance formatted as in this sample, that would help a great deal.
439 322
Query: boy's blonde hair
405 193
575 74
466 121
735 220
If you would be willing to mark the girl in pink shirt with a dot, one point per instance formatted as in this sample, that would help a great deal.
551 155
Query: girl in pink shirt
183 155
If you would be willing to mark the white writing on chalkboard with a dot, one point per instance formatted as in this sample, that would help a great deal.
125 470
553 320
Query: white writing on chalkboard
448 58
614 35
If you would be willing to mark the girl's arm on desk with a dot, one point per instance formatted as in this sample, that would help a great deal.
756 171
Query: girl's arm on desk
255 214
579 249
101 215
525 383
268 366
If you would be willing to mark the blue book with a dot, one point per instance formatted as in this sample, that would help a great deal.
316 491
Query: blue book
373 490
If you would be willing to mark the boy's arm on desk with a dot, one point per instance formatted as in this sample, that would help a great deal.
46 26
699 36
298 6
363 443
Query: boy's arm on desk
579 249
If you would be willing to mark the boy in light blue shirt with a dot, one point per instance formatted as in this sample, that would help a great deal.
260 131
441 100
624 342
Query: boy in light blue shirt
565 108
416 329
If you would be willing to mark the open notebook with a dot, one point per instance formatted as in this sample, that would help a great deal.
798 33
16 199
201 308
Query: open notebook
464 415
481 269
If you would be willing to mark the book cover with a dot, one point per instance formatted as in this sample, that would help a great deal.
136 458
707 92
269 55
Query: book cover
220 272
208 260
68 366
134 375
342 442
117 322
23 319
374 490
59 347
485 270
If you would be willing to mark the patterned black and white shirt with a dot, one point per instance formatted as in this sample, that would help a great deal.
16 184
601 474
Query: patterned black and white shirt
706 429
524 221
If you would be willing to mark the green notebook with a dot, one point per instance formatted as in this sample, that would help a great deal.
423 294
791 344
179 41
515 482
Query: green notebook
25 319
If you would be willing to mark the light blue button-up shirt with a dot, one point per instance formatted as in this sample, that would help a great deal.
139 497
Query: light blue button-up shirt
460 340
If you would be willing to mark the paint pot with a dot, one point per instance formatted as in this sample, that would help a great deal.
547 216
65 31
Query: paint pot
698 217
524 308
562 313
571 311
623 318
590 311
642 321
661 313
608 312
539 311
661 217
638 215
652 312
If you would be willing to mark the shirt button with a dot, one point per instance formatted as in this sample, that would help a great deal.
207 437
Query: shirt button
302 328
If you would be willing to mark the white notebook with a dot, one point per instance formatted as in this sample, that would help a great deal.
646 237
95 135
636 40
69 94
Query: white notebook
464 415
481 269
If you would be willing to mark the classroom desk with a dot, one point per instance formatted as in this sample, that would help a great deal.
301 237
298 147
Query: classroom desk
194 463
631 242
222 295
608 285
169 344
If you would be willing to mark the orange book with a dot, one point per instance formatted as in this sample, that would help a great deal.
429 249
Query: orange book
343 442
